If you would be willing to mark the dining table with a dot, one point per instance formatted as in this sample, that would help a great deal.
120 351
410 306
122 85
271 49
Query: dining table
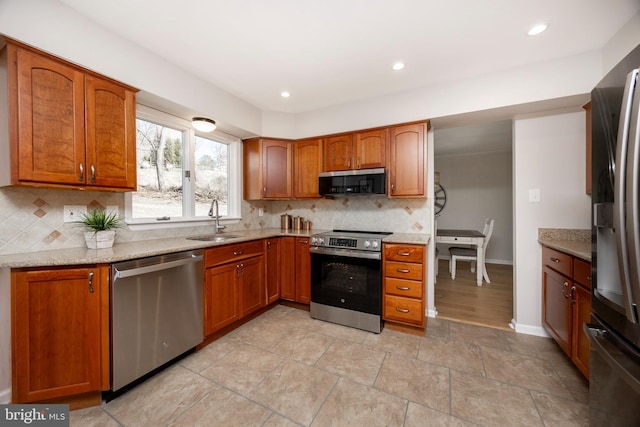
465 237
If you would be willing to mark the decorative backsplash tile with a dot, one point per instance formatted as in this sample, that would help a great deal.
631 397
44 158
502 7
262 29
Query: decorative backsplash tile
32 219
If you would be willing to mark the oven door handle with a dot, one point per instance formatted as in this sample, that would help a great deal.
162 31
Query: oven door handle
345 253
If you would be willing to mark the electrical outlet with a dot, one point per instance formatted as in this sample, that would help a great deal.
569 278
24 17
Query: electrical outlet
74 213
260 211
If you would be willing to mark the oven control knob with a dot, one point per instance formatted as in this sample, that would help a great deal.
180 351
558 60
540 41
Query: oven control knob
367 244
374 244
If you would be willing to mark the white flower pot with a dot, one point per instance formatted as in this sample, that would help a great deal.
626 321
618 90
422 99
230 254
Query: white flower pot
100 239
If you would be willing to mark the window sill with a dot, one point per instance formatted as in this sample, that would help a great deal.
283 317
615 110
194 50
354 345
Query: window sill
138 225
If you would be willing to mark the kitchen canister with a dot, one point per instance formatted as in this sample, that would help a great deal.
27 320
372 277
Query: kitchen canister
306 225
286 222
297 222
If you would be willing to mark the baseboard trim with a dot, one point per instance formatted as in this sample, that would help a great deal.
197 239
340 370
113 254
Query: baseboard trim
5 396
528 329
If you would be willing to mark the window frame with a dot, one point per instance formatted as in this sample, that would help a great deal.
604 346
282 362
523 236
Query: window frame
188 195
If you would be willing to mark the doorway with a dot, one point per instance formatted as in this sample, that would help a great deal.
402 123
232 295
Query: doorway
474 164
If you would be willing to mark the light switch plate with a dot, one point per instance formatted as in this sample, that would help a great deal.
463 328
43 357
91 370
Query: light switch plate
260 212
73 213
534 195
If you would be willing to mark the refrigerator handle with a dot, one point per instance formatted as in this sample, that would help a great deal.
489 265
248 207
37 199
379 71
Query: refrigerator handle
621 364
633 201
620 192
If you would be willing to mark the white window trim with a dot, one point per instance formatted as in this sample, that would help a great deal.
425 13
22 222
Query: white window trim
235 179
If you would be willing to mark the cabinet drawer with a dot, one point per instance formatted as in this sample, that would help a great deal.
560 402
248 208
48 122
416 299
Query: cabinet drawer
406 310
403 270
404 253
226 253
405 288
558 261
582 272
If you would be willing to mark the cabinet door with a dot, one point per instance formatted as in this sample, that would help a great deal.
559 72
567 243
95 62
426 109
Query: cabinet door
581 315
338 153
303 271
556 307
111 134
276 169
58 317
407 161
272 277
288 268
251 285
221 302
307 161
48 97
371 148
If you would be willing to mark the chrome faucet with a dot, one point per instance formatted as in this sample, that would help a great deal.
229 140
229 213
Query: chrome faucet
217 227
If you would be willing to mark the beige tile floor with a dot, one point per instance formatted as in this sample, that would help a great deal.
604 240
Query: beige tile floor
286 369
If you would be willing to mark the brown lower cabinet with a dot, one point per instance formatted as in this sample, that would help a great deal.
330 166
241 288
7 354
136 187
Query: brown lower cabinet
404 278
60 333
296 270
234 283
566 297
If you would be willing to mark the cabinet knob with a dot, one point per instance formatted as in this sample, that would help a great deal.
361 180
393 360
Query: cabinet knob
565 286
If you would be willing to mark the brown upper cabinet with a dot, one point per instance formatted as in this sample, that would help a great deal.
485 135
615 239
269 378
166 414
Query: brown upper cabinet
67 127
407 160
362 150
267 169
307 160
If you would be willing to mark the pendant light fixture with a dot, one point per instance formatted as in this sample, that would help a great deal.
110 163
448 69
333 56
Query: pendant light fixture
203 124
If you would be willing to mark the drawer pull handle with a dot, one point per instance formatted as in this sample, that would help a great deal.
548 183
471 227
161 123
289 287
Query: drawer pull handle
91 290
403 270
403 253
403 288
556 260
402 310
238 253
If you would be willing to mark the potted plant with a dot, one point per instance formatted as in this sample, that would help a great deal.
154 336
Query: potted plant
100 226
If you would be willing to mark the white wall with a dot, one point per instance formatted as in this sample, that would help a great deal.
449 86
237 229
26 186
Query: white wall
549 154
54 27
543 81
479 186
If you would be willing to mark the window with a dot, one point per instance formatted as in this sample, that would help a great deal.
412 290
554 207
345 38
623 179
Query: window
180 171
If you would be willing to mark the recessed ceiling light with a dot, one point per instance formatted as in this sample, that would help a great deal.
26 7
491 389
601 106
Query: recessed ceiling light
537 29
398 66
285 94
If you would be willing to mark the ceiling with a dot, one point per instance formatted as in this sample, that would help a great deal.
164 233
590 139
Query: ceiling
331 52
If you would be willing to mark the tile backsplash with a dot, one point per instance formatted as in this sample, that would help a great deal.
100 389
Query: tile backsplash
32 219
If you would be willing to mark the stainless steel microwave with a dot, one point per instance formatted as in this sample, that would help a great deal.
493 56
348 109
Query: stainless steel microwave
353 182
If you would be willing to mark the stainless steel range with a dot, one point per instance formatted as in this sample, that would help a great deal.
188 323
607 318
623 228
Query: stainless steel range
346 278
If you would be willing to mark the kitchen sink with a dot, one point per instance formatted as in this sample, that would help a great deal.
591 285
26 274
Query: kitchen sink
214 237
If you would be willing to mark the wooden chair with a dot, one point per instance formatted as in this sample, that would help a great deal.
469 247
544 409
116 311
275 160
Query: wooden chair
469 253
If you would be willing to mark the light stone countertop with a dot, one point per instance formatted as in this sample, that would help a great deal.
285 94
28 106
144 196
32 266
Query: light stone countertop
573 242
141 249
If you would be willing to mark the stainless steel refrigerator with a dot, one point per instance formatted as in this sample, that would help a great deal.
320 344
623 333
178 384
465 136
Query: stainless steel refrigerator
614 330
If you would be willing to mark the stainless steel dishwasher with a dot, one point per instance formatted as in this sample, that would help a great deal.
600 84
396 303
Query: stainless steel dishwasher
156 313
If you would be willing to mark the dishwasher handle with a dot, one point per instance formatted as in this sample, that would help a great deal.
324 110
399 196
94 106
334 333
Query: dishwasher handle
119 274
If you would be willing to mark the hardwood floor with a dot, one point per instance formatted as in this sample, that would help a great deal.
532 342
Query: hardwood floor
461 299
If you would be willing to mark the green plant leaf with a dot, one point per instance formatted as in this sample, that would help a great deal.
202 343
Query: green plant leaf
99 219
